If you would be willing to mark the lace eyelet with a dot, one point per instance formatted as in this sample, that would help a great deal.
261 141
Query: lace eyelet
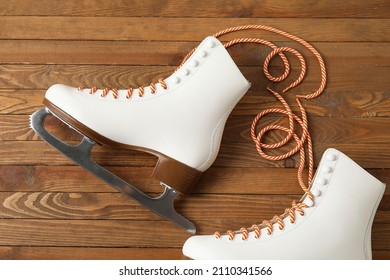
322 181
316 193
331 157
195 63
186 72
328 169
310 203
211 44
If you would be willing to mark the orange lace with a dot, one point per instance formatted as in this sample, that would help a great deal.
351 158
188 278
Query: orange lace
114 91
297 207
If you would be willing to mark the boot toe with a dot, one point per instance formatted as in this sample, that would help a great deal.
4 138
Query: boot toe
59 94
201 247
71 102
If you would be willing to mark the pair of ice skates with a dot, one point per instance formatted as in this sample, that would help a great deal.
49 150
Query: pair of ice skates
180 120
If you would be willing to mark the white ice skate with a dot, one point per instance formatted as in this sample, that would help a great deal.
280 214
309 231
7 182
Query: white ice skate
336 225
180 120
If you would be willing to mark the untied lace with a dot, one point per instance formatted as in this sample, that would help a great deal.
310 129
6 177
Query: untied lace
297 206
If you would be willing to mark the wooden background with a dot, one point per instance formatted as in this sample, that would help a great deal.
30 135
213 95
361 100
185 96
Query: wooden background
52 209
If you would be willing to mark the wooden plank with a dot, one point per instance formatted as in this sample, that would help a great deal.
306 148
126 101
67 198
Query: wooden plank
20 101
336 54
377 232
122 233
41 153
114 206
215 180
43 76
237 129
171 29
88 253
244 155
322 129
17 128
381 255
70 179
230 155
332 103
97 233
209 9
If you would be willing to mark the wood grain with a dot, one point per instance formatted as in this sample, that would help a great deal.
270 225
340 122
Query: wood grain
237 129
87 253
343 54
52 209
207 9
216 180
43 76
332 103
114 206
244 155
230 155
179 29
117 233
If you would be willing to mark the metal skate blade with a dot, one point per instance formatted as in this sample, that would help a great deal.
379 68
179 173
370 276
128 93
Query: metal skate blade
81 154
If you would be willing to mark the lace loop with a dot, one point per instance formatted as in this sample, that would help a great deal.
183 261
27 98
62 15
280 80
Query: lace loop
105 91
129 92
256 230
244 233
140 91
115 93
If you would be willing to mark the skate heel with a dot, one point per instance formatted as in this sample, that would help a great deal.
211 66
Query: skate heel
176 175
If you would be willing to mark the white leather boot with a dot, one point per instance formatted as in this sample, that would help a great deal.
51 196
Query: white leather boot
179 119
337 225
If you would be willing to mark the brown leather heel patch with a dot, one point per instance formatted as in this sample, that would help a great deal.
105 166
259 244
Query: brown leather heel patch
175 174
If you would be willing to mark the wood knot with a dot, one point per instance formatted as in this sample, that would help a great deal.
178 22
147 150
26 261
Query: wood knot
74 195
